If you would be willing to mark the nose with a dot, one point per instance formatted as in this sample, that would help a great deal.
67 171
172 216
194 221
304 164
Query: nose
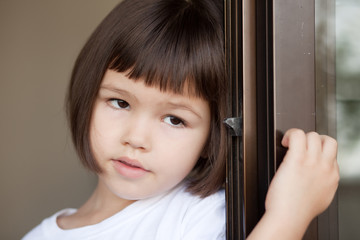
137 134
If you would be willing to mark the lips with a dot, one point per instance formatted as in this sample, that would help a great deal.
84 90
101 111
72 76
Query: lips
129 168
131 163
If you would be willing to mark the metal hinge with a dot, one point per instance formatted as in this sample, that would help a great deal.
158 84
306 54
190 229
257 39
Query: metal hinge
234 125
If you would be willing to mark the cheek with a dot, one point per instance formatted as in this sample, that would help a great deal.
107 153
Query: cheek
180 156
96 142
102 135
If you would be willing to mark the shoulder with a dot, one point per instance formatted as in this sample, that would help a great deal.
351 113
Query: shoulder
210 205
186 201
48 228
196 217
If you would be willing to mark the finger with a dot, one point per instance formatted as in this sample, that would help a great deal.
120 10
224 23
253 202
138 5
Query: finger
329 147
294 139
313 143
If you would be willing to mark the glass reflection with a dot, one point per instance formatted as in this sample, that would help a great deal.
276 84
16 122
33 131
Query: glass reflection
348 115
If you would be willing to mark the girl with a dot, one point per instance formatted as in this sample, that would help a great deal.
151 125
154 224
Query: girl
145 105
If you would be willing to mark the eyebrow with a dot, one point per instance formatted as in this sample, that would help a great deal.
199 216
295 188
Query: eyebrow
114 89
183 106
118 90
176 105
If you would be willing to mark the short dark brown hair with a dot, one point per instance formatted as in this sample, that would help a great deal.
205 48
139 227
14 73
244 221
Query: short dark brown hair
167 44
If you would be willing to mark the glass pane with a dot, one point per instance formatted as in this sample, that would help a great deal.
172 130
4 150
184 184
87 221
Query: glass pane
348 115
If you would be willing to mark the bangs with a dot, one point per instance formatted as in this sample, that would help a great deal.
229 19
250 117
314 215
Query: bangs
172 45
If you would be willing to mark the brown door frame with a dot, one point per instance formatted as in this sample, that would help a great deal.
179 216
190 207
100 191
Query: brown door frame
273 57
295 85
242 198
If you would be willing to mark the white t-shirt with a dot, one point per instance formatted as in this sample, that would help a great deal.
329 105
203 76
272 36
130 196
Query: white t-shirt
172 216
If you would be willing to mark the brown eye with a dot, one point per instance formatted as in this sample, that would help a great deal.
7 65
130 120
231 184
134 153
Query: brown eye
120 104
174 121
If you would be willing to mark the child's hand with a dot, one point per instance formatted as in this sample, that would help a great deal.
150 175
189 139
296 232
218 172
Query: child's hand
307 179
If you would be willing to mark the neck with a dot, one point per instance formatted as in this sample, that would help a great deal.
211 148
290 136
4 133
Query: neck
103 203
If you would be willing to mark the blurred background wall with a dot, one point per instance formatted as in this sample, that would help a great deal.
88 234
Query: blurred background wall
39 171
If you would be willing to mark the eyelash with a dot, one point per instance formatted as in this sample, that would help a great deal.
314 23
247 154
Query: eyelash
115 104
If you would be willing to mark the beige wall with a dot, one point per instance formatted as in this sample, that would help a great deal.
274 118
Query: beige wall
39 172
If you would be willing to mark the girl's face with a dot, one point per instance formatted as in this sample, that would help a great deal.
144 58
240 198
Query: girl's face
146 141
